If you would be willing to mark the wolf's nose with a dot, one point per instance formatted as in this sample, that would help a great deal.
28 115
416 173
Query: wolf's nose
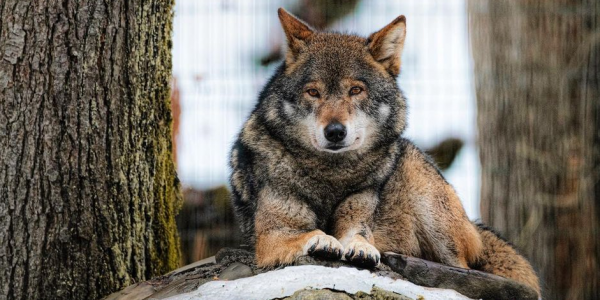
335 132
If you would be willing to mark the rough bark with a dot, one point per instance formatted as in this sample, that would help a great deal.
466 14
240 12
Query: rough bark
88 191
537 66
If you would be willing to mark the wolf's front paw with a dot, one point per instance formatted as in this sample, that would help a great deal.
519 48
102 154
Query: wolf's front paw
362 254
324 246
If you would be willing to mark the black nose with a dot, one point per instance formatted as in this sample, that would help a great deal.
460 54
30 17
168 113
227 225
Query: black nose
335 132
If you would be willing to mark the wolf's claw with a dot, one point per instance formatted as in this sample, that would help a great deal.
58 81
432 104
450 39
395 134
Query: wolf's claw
324 246
362 254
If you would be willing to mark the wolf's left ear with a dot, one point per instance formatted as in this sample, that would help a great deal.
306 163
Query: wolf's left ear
386 45
296 32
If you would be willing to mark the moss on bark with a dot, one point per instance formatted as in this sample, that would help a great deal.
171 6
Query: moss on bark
88 189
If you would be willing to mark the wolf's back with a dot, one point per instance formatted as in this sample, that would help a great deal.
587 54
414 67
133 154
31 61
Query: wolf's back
500 258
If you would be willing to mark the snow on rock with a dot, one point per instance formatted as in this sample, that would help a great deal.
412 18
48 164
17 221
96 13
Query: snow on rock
284 282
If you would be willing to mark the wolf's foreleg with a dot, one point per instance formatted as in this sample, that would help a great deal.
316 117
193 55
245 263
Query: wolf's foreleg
352 227
286 229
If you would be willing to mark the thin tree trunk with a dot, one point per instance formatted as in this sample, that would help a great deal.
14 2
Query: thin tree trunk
537 68
88 190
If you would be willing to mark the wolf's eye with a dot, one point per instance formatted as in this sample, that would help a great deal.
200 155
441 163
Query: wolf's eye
313 93
355 90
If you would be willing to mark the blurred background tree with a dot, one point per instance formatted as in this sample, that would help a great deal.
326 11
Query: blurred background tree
88 190
537 78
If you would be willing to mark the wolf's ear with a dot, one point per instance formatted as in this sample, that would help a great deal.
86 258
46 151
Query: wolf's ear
296 32
386 45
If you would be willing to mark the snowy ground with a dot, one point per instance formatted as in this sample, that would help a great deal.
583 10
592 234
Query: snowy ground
217 45
283 283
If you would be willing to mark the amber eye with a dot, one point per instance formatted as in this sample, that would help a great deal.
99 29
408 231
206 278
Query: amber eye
355 90
313 92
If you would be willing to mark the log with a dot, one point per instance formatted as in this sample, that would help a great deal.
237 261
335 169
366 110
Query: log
471 283
231 264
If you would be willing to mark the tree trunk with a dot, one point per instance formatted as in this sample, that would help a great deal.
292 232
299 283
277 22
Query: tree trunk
537 68
88 190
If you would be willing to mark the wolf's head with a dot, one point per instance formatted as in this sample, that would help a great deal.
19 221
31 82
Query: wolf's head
336 93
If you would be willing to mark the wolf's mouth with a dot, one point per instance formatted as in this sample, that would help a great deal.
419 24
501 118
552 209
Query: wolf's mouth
338 147
335 147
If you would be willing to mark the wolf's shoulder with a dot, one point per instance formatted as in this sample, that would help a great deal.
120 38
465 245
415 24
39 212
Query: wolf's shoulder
409 150
411 156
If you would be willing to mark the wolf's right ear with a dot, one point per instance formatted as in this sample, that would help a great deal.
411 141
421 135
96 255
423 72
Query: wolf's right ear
296 32
386 45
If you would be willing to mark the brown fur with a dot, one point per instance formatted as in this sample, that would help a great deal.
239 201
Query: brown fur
394 33
296 32
422 205
293 197
498 257
279 248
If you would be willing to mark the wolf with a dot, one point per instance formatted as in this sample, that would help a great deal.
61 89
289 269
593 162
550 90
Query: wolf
321 168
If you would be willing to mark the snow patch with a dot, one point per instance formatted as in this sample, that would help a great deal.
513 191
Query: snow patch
284 282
